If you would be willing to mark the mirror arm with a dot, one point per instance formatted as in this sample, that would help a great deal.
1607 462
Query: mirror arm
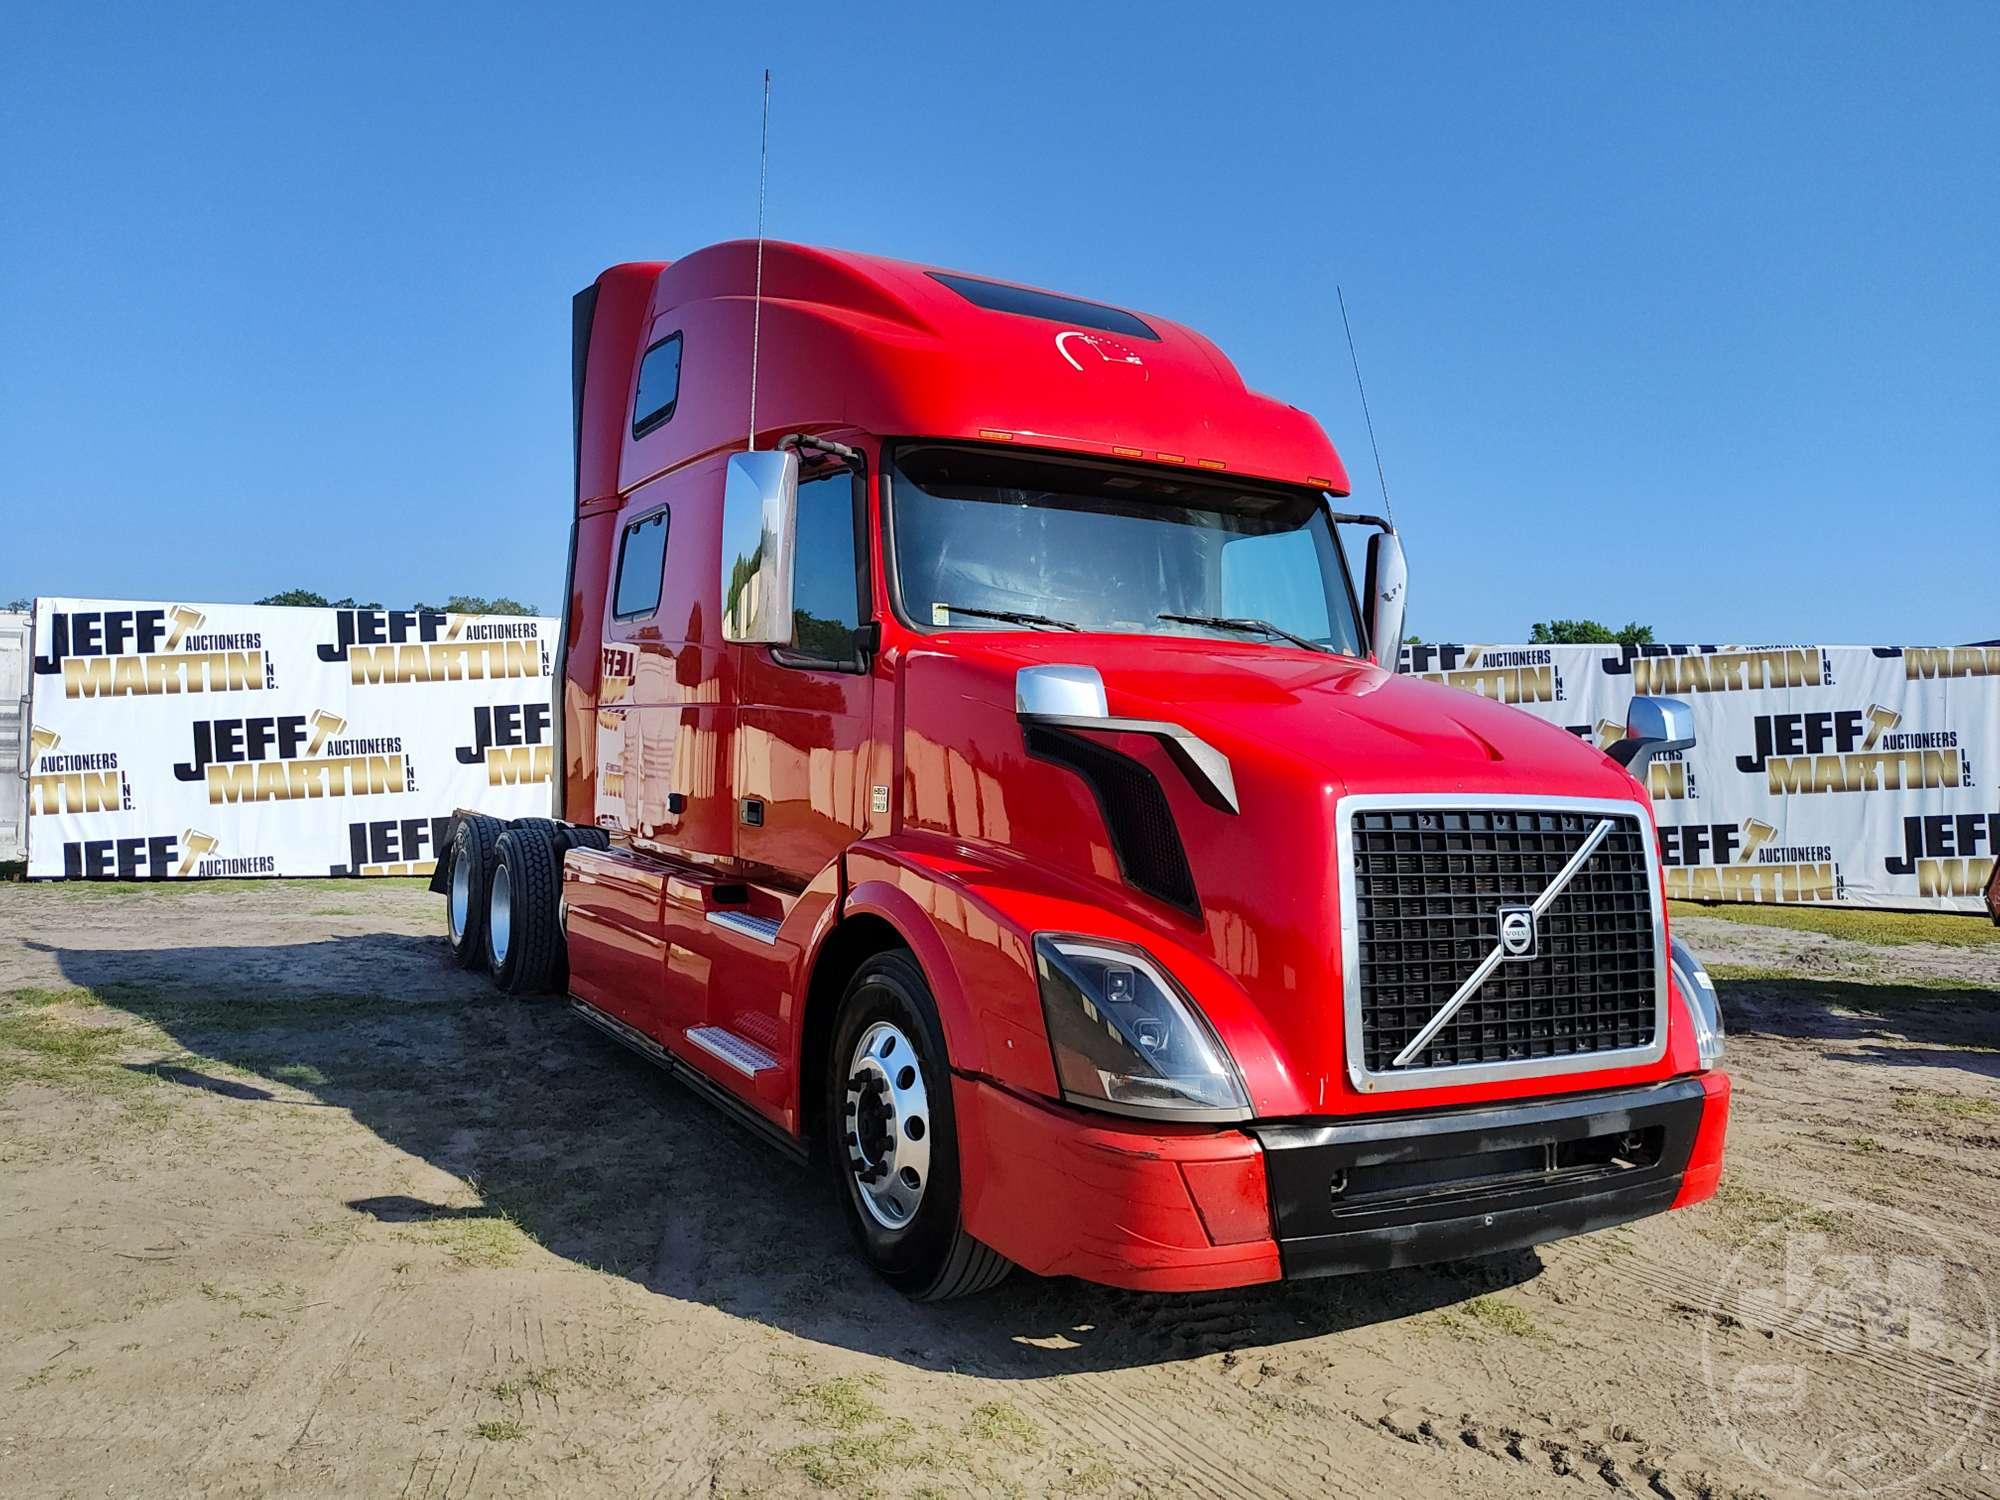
1636 755
1344 518
805 440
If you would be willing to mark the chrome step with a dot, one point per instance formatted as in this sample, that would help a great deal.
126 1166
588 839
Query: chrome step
745 1056
760 929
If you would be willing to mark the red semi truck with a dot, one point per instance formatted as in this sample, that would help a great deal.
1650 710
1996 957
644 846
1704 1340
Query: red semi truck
978 768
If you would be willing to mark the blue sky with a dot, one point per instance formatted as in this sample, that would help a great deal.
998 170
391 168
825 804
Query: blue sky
1683 314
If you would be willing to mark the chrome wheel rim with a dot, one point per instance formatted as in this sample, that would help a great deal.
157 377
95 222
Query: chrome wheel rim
459 907
888 1125
500 923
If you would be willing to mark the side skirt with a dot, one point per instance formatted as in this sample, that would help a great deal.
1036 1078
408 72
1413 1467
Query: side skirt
653 1052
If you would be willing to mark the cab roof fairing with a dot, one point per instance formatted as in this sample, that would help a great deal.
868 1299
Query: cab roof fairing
858 341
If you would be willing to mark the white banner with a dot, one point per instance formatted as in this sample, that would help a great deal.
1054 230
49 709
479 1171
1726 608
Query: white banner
1824 774
186 741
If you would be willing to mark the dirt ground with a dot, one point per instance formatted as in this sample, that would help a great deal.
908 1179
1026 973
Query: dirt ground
290 1205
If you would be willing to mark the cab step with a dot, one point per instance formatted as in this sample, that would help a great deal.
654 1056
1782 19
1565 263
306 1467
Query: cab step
742 1054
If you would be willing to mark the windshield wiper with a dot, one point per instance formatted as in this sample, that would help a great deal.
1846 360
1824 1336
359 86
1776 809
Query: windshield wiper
1244 622
1010 616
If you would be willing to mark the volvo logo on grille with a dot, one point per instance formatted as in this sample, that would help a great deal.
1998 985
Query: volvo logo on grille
1517 931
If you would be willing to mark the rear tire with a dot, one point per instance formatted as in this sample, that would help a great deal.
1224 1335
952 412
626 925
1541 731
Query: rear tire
472 853
523 926
892 1138
576 836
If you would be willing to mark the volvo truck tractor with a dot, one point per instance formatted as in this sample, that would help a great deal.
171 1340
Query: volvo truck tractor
978 767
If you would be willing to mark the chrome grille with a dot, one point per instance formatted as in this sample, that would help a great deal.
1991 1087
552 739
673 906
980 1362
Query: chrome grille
1425 886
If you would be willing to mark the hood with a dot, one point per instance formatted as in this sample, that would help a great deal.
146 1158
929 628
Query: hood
1348 724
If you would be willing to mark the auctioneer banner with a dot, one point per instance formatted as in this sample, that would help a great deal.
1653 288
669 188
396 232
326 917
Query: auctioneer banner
184 741
1827 774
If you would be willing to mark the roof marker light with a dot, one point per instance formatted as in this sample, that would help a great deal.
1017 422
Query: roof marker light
996 434
1319 483
1211 463
1172 458
1129 452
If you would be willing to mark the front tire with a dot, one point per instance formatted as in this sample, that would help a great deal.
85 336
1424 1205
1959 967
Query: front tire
892 1138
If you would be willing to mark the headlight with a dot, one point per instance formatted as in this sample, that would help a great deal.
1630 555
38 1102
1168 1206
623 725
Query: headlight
1704 1007
1127 1040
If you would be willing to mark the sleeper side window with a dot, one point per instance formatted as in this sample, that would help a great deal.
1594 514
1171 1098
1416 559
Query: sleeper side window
659 386
826 577
642 559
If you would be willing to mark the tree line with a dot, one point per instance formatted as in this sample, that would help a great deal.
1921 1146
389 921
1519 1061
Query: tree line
457 604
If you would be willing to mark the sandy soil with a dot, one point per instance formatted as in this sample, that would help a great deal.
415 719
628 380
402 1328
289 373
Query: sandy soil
288 1204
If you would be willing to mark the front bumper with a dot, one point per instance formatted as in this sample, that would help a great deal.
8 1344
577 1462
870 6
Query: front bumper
1182 1208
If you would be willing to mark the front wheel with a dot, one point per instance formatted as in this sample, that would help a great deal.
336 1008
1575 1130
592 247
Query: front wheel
892 1139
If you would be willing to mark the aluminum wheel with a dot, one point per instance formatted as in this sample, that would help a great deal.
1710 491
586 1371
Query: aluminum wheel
499 920
888 1125
459 908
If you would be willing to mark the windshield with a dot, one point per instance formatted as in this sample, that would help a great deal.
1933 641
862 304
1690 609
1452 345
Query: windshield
1006 541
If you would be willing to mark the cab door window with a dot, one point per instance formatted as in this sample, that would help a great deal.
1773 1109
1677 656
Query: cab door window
826 574
642 561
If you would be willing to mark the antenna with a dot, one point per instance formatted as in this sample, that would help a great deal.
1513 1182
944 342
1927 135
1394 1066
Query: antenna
1380 478
757 296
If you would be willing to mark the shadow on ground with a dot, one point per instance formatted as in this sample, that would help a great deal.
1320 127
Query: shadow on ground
600 1158
1898 1025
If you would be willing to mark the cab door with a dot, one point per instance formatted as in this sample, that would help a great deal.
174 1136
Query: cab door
803 745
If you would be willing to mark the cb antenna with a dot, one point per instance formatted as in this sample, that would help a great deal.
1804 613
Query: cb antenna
757 295
1381 479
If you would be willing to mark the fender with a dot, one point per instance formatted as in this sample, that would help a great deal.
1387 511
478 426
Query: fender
888 900
976 908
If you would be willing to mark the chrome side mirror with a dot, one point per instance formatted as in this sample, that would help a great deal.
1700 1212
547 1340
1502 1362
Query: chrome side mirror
760 512
1388 589
1653 726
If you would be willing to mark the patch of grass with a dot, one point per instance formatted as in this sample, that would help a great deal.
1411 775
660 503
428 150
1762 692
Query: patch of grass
1754 1208
1866 1144
353 885
541 1382
1488 1316
998 1422
483 1241
847 1461
1500 1316
1935 986
43 1046
866 1442
35 998
504 1430
1087 1476
842 1403
180 1008
305 1075
104 890
336 911
1957 1106
1953 929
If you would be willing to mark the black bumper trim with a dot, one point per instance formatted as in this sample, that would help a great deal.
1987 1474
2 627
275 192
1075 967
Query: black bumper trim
1444 1185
